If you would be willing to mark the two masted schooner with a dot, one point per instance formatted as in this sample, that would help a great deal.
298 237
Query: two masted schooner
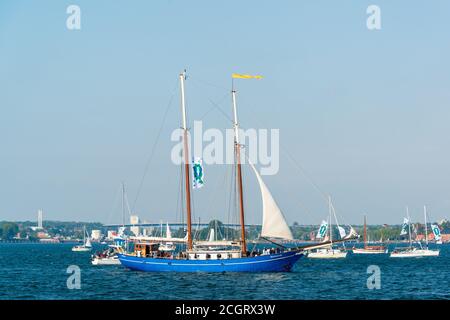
231 256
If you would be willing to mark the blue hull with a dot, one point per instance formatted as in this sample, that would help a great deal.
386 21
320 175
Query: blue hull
280 262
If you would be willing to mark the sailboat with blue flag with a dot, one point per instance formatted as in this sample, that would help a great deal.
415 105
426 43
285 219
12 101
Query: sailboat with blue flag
231 256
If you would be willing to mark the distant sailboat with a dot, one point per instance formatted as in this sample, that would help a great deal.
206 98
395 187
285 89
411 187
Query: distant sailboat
328 252
369 249
412 252
86 246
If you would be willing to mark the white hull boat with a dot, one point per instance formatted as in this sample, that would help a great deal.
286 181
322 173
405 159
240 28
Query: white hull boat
369 251
81 249
327 254
108 257
414 252
325 232
97 261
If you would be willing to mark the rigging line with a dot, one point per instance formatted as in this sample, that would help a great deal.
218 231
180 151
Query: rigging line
127 203
337 223
231 201
216 106
154 146
297 165
177 212
215 193
114 204
303 206
340 216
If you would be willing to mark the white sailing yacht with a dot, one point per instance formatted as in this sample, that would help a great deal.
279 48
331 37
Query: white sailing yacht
411 252
86 246
328 252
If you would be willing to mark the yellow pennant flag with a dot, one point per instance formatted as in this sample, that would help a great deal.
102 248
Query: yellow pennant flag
244 76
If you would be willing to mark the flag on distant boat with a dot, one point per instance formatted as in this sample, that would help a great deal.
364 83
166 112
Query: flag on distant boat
436 232
198 172
244 76
404 226
414 228
341 232
352 233
322 230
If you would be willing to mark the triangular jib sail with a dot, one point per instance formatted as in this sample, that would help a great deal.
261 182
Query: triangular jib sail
274 224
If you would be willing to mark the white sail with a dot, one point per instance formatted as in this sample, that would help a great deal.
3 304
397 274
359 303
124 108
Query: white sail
211 235
352 233
341 232
274 224
168 233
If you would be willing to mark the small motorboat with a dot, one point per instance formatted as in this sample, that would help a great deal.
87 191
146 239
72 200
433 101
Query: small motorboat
107 257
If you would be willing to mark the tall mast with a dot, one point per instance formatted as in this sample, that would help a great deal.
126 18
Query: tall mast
426 228
123 204
186 163
329 212
365 232
409 226
237 148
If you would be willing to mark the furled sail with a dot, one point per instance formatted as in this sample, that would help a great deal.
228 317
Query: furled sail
274 224
168 233
211 235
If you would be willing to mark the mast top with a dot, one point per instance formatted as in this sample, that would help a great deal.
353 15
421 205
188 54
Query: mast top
183 104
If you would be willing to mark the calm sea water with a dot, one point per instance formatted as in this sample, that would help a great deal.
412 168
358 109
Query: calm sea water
38 271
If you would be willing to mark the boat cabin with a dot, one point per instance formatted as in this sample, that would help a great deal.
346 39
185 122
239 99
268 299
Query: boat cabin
145 249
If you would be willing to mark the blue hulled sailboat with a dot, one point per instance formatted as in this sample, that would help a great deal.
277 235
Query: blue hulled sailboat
230 256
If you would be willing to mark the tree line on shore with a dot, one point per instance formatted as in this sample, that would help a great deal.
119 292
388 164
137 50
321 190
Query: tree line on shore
11 230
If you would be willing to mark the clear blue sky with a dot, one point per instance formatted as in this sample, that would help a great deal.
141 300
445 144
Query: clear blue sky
366 113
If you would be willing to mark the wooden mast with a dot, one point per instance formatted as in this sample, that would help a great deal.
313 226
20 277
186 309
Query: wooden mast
186 163
237 148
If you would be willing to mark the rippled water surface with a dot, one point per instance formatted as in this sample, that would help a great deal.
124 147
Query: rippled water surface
38 271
